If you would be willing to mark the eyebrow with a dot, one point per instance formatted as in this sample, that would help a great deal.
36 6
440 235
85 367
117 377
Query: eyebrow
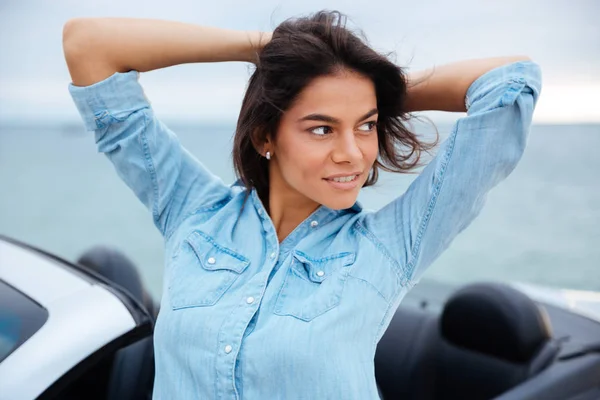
332 120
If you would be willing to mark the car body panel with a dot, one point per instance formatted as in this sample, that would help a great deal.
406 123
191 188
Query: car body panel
37 277
83 317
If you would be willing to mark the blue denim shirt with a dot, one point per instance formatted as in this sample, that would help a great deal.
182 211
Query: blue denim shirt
244 316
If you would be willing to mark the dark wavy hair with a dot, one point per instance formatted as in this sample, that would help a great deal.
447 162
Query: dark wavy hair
301 50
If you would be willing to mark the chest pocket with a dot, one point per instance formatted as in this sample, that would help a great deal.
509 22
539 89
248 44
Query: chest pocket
203 271
313 286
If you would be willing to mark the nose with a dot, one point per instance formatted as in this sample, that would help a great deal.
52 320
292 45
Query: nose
346 149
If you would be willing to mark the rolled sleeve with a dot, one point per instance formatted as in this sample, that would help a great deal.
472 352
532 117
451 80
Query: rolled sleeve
118 96
515 76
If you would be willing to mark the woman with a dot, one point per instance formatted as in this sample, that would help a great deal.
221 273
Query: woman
280 285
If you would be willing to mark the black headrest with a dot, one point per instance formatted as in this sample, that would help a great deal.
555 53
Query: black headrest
497 320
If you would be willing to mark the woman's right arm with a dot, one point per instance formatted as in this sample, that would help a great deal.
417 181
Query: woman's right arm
104 57
95 48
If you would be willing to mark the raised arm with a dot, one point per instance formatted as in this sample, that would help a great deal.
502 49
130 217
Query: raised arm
104 57
483 148
95 48
444 88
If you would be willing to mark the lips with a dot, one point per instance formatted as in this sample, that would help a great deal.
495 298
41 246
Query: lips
344 185
342 175
344 179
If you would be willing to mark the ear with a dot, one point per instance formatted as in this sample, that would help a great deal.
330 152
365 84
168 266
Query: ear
261 141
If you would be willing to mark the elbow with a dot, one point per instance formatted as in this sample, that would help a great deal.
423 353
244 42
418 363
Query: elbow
83 51
71 30
74 45
73 38
80 37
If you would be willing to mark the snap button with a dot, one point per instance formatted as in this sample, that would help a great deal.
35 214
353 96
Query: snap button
250 300
212 260
273 255
320 273
228 349
313 224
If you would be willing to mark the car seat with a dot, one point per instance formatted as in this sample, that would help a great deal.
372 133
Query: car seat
489 338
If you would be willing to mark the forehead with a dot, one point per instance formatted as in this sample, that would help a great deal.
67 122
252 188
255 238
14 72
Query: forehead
342 93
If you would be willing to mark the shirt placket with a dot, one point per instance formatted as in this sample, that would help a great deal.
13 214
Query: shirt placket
233 329
231 335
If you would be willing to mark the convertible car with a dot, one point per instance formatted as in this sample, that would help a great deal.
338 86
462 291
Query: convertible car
83 330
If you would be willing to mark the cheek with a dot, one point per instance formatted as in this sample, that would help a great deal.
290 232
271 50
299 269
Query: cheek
310 160
302 159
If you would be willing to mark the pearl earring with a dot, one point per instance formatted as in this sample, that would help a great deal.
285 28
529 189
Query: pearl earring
268 155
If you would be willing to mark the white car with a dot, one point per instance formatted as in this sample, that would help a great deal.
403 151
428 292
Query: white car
83 330
67 332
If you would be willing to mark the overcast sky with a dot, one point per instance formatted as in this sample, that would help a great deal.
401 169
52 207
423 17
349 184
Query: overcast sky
563 36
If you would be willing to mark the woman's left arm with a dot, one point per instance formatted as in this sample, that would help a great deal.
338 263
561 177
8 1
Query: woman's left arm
483 148
444 88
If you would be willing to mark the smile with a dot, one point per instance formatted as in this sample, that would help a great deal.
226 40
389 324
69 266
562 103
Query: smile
349 178
343 182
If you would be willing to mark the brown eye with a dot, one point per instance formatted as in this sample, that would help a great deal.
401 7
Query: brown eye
370 126
323 130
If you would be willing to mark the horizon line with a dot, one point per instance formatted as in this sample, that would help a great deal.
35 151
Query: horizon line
70 124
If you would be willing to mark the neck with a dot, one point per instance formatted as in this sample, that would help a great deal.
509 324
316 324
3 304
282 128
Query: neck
287 207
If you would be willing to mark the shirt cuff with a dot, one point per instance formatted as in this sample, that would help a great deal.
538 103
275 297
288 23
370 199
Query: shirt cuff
118 95
520 72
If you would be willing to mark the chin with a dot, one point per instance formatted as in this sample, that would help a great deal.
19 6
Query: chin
341 202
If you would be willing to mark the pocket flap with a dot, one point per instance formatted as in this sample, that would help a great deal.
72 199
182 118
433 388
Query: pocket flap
319 269
213 256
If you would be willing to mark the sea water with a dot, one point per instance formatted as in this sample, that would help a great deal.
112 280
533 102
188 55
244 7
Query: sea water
540 225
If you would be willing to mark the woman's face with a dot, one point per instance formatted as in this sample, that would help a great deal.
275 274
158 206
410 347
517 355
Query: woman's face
329 132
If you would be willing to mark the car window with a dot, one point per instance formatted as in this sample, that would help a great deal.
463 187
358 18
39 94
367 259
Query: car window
20 318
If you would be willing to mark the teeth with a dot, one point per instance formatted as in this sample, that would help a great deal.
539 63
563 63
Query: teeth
344 178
